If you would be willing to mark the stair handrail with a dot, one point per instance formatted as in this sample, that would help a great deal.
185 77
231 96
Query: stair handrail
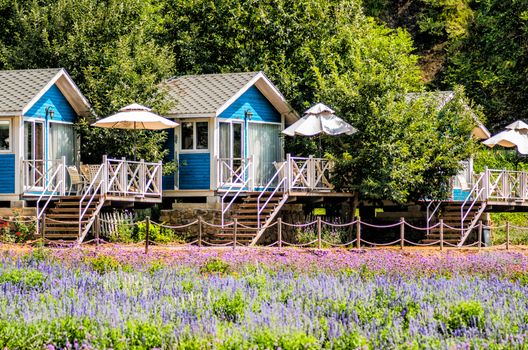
96 188
60 184
475 188
430 214
241 188
268 185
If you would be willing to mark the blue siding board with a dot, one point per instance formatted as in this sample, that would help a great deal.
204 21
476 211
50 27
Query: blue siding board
254 101
63 111
194 171
7 173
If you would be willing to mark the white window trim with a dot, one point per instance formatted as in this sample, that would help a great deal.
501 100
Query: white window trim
194 149
11 138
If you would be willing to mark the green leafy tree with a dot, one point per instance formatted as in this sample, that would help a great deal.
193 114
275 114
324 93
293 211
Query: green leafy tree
492 61
109 49
330 51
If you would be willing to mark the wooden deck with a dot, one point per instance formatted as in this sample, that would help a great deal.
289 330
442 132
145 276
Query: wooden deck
73 214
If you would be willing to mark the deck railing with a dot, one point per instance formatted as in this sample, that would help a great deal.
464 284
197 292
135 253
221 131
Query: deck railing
235 173
54 182
132 178
37 174
238 179
309 174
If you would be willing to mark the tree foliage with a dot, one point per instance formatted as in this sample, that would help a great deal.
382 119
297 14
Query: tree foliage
313 50
109 49
492 61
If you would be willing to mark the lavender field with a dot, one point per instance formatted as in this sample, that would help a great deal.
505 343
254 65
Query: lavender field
262 299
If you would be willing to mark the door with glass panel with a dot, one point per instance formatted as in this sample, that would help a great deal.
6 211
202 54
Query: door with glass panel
266 149
62 143
34 164
231 163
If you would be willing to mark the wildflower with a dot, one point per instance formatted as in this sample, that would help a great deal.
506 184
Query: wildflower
18 233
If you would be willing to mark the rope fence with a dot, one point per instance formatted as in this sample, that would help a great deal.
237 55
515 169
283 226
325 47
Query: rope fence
234 234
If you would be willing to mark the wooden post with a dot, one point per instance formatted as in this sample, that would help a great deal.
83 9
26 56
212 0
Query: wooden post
507 235
441 234
480 234
235 228
97 229
358 232
319 240
402 232
43 228
199 231
279 231
147 229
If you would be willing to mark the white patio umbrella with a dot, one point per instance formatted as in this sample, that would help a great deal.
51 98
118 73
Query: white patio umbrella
317 120
135 117
515 135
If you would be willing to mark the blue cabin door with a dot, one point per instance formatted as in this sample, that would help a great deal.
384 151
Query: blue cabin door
231 153
34 154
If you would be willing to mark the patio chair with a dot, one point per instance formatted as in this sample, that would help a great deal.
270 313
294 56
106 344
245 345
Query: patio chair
89 172
76 180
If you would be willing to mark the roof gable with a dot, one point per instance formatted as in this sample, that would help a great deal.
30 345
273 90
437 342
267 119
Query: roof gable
21 89
208 95
442 98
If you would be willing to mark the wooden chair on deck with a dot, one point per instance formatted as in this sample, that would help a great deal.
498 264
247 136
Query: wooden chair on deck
89 172
76 180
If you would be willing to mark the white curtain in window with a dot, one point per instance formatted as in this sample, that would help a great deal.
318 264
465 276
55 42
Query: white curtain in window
265 146
62 142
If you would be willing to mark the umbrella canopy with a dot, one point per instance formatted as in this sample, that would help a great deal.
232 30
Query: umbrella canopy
515 135
137 117
319 119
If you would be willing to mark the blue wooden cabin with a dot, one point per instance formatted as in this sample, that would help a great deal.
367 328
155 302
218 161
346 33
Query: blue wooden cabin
228 123
38 108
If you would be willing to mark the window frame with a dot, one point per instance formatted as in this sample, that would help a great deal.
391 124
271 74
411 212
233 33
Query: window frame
10 125
194 148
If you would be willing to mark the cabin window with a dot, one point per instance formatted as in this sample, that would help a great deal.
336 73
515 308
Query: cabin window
5 135
194 135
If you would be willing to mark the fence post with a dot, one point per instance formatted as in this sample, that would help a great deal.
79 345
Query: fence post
480 234
43 228
441 234
402 232
199 231
279 231
147 229
507 235
358 232
319 243
97 230
235 227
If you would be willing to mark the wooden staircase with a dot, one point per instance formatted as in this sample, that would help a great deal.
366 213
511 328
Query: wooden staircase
451 214
248 232
61 222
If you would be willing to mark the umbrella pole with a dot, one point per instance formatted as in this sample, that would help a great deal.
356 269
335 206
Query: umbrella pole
320 148
135 141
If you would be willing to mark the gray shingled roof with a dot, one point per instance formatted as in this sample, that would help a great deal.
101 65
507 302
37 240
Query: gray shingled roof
19 87
206 93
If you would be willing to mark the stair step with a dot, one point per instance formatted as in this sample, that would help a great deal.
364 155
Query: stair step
70 210
62 216
62 229
240 229
60 235
230 235
221 241
74 204
446 236
254 210
450 241
77 198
